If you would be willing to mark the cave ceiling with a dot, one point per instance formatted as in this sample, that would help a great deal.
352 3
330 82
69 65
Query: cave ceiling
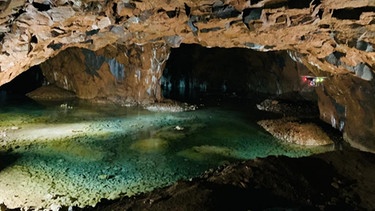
333 36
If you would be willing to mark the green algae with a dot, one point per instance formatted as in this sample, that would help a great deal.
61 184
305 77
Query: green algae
149 145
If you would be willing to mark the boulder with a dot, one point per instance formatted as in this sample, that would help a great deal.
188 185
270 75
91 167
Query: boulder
292 131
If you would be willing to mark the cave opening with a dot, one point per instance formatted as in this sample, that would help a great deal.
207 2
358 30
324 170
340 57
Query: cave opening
194 73
24 83
244 79
351 13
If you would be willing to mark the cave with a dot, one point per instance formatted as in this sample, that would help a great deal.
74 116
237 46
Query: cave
187 105
351 14
223 91
193 72
15 91
25 82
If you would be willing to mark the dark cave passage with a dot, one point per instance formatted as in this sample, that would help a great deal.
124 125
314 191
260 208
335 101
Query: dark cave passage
351 13
194 72
23 83
243 79
191 74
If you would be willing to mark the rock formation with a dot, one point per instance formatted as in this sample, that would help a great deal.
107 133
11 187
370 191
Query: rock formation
292 131
118 48
123 74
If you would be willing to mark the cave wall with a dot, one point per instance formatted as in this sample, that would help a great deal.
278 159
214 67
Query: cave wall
123 74
347 103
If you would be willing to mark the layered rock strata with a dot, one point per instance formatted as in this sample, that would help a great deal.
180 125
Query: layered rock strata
333 38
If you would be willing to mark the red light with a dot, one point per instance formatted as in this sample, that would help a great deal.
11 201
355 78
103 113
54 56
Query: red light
304 79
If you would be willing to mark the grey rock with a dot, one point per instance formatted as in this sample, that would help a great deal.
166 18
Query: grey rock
363 71
173 41
364 46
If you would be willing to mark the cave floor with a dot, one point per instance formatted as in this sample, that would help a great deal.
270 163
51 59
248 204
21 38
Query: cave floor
337 180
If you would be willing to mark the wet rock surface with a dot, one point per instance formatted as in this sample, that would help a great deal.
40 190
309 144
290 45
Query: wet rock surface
298 123
295 131
289 108
320 182
51 92
170 106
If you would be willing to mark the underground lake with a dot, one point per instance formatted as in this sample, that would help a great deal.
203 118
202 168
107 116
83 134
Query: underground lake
187 105
74 154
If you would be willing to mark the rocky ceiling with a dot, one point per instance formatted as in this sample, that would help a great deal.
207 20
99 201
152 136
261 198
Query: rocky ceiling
333 38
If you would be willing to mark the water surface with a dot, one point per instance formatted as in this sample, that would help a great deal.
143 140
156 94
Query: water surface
75 154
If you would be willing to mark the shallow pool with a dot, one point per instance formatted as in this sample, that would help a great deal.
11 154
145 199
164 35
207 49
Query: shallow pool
75 154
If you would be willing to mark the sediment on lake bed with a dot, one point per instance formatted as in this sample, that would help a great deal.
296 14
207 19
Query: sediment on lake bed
324 181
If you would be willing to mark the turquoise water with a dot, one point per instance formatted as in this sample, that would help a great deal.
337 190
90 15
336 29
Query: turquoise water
75 154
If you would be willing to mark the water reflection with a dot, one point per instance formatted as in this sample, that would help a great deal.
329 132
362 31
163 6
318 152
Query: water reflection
76 156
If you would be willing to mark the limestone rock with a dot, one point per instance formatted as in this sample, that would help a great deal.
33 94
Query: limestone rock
51 92
292 131
304 27
109 72
294 109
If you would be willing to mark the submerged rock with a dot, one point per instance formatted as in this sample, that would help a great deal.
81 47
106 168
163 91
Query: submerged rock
74 150
207 149
200 153
170 134
272 183
150 145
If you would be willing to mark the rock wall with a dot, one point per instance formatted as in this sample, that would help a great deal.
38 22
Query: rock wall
333 38
123 74
347 103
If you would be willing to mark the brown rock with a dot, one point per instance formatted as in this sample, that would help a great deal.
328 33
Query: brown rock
291 131
51 92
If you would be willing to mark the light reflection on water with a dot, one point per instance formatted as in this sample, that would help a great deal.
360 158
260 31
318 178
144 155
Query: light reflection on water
107 151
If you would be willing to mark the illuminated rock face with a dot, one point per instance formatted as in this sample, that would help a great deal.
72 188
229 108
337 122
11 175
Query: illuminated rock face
347 103
125 74
333 38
